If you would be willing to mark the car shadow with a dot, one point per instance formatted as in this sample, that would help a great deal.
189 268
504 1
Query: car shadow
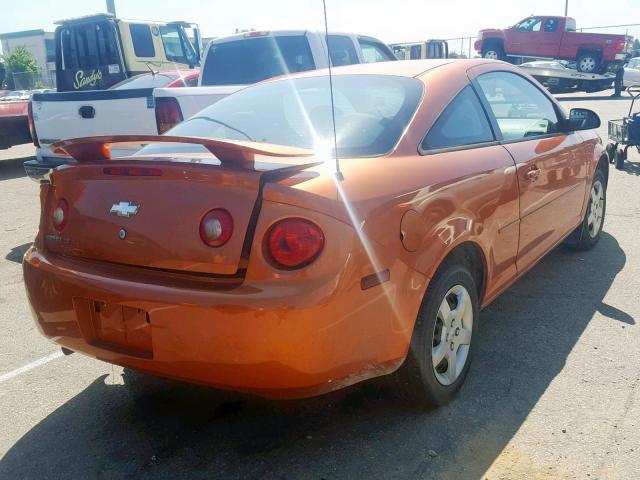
632 168
152 428
592 98
10 169
16 253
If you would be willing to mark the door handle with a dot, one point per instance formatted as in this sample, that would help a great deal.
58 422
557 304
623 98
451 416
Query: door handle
533 174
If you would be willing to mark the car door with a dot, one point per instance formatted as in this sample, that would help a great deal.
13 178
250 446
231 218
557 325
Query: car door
521 39
550 163
481 188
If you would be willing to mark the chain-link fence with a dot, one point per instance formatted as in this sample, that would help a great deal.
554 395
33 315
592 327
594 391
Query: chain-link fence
31 80
462 47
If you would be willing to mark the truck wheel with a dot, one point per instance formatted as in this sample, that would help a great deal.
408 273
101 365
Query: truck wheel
494 52
620 156
588 62
611 152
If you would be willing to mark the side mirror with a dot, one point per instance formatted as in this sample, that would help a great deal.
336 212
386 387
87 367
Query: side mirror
583 119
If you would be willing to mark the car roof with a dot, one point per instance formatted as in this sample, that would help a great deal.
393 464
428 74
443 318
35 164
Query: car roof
280 33
402 68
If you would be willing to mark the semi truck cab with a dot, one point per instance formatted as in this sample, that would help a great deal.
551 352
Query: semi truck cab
98 51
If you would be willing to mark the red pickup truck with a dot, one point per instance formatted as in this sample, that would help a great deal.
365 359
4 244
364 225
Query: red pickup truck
555 37
14 126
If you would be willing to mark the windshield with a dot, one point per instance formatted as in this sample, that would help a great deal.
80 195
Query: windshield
371 112
146 80
177 46
253 59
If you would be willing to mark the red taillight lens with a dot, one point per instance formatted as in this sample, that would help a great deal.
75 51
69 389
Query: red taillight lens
620 44
32 125
293 243
168 114
216 227
60 214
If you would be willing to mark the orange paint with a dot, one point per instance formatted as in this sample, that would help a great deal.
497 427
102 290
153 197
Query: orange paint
162 301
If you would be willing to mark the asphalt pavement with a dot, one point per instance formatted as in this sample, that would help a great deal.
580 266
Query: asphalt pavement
552 394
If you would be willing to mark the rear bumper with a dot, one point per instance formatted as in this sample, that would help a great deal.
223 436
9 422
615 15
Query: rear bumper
289 341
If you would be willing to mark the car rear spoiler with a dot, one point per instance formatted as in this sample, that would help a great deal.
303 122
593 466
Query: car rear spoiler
233 153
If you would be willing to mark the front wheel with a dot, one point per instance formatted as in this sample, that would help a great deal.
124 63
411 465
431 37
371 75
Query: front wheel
619 157
591 227
441 346
493 53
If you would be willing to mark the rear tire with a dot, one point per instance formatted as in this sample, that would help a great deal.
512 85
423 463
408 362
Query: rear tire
588 62
441 346
590 230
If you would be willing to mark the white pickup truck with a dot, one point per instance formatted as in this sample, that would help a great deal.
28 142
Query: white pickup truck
230 64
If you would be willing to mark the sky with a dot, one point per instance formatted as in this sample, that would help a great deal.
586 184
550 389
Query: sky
389 20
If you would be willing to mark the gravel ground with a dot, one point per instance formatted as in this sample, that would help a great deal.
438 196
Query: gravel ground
552 394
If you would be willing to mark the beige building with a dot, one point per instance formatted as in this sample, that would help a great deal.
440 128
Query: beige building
40 44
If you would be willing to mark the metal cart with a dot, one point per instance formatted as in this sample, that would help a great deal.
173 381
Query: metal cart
625 132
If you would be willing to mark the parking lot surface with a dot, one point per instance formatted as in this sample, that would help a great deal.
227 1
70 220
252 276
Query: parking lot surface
553 392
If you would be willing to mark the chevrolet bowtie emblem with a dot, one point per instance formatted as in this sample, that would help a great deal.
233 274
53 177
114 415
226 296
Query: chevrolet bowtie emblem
125 209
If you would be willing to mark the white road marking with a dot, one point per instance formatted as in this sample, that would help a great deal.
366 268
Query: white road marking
30 366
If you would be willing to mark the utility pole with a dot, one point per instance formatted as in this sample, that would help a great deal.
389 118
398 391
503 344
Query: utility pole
566 8
111 7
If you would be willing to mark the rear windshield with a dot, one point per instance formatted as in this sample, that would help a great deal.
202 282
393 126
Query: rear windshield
146 80
371 113
250 60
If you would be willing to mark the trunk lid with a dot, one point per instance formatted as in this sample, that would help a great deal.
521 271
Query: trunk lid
164 231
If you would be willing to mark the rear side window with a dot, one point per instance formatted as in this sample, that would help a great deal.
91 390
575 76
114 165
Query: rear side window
253 59
463 122
374 51
142 40
342 50
88 45
520 108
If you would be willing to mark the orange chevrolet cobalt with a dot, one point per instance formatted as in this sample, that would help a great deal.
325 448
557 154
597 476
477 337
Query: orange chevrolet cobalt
251 249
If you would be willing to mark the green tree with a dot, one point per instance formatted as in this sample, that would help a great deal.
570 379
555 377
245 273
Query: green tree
636 44
20 60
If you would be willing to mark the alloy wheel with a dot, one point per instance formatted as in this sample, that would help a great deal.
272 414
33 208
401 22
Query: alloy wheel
452 335
587 64
596 209
491 55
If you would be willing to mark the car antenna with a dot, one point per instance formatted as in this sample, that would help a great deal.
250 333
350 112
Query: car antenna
339 175
153 74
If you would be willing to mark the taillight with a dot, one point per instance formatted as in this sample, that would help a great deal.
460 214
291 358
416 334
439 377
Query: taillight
168 114
620 44
32 125
132 171
60 214
293 243
216 227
